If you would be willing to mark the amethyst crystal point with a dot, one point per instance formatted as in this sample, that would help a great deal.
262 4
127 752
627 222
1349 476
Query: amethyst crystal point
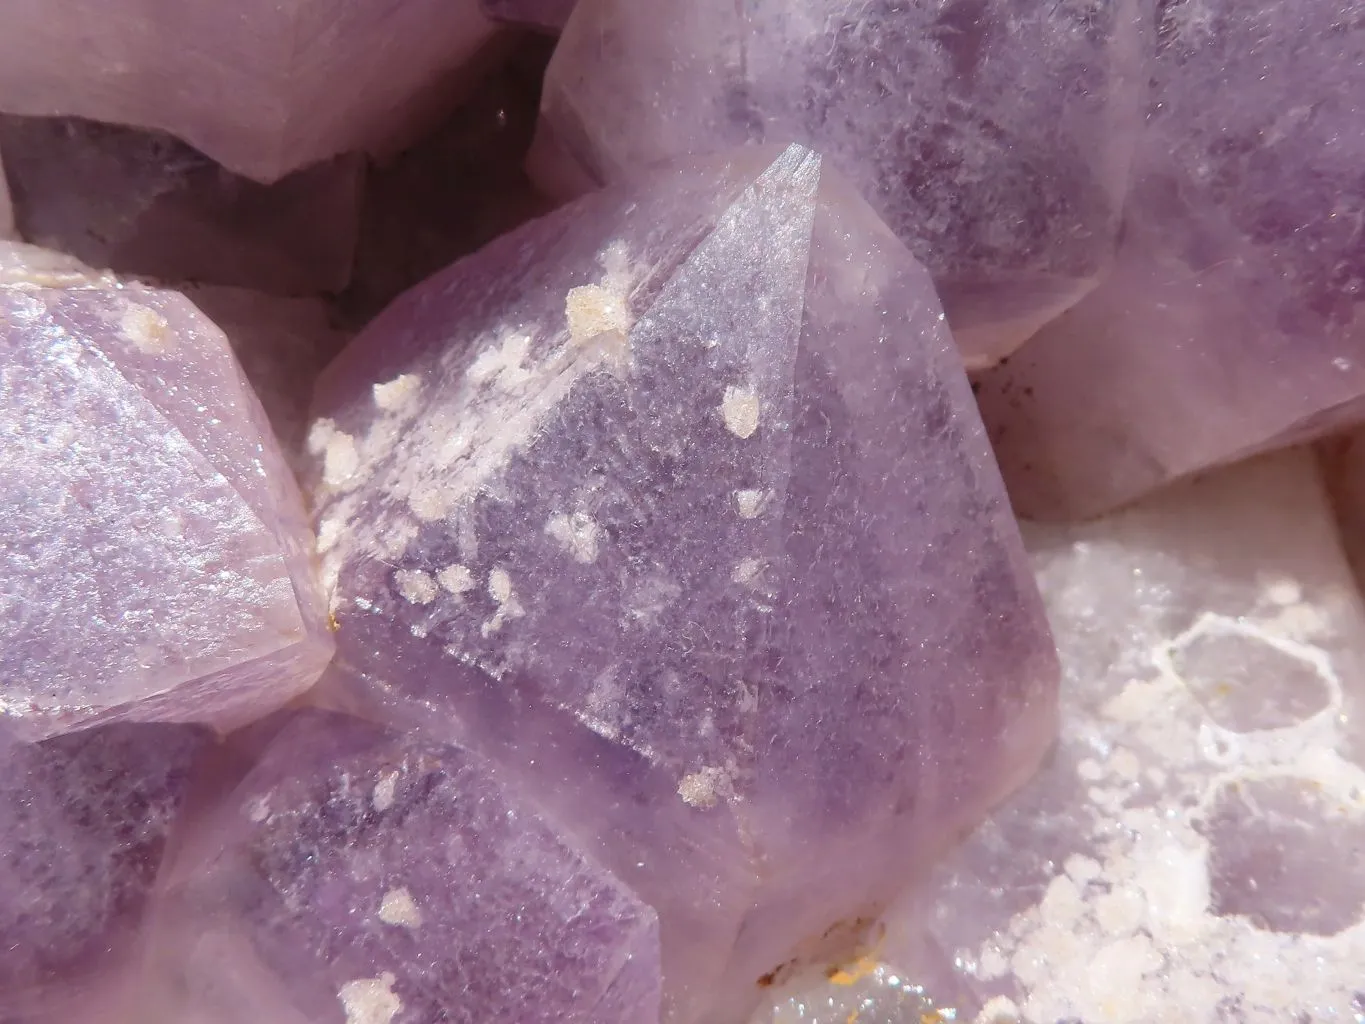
158 563
363 876
675 504
143 203
263 88
1234 320
84 820
992 136
1195 849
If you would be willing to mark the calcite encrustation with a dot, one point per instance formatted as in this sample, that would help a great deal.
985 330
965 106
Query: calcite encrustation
674 505
993 136
143 203
1234 318
158 559
85 820
1195 849
264 89
363 876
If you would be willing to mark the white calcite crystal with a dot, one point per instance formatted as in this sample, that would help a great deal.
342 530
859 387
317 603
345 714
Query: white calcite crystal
1195 850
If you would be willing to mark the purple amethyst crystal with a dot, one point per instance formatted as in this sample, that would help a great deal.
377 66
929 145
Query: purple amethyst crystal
1234 318
992 136
264 87
363 876
157 559
84 821
674 504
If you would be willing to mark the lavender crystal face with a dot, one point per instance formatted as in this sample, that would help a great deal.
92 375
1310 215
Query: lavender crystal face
1193 849
264 88
361 876
143 203
992 136
158 563
674 505
1232 321
84 820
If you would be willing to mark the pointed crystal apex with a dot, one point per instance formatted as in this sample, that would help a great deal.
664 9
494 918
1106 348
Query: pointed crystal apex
688 525
159 553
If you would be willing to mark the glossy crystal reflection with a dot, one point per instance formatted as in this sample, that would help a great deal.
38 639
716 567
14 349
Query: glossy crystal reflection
158 563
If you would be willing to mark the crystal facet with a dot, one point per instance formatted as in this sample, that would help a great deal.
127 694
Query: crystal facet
1195 849
675 505
143 203
263 87
362 876
949 116
158 561
84 821
1234 318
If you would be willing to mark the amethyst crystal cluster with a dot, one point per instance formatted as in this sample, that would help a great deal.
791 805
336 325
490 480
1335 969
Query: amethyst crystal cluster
497 525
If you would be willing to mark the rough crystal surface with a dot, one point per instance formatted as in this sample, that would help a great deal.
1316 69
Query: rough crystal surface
675 505
84 821
1232 321
140 202
362 876
158 561
947 115
1168 865
264 88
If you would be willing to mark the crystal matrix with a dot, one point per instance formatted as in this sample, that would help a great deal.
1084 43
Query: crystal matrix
157 557
992 136
1195 849
1234 318
674 504
362 876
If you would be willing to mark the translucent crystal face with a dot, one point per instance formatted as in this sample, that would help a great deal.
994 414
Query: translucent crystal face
1231 322
84 822
688 511
652 640
159 555
362 875
947 116
263 90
